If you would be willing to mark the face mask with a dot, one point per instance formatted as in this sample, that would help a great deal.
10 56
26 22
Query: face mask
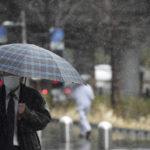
11 82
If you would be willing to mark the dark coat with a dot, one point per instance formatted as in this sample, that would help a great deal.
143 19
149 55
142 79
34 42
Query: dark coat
34 118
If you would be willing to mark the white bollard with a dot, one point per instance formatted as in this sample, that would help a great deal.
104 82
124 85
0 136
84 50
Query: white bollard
105 135
40 135
67 146
66 124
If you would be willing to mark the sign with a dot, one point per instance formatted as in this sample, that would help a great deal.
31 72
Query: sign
3 35
56 39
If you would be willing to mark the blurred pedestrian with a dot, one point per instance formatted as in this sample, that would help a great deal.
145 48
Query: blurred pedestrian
83 96
22 113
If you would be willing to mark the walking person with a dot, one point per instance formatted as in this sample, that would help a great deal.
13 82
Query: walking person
83 96
22 114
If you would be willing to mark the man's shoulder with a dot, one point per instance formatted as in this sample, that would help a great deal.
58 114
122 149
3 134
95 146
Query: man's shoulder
29 89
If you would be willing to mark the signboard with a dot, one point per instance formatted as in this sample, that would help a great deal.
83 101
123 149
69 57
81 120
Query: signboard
56 39
3 35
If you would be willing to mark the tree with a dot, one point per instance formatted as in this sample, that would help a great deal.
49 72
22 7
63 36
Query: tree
116 26
121 24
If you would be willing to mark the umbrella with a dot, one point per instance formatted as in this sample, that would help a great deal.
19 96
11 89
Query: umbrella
28 60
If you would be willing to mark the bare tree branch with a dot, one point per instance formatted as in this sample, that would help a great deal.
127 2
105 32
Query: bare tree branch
59 13
71 11
33 7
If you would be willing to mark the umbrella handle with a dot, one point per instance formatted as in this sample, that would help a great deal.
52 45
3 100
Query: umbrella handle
19 117
20 101
25 80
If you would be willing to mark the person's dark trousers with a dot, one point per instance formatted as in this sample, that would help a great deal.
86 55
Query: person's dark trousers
16 148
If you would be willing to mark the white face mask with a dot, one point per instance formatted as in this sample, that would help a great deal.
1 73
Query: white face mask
11 82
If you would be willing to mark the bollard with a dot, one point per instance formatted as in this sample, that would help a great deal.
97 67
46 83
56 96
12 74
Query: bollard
105 135
66 124
67 146
39 133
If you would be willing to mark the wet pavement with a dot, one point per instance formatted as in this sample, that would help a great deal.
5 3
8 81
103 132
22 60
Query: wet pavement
51 140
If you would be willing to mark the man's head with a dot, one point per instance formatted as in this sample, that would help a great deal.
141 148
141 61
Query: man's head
11 82
86 78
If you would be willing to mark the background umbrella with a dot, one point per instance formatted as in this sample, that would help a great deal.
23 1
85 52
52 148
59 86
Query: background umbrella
32 61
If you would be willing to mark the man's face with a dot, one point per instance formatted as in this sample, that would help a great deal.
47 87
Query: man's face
11 82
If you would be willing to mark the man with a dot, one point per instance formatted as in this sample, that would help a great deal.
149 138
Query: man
83 96
22 113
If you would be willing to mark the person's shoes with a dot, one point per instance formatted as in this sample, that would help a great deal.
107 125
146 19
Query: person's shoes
81 136
88 135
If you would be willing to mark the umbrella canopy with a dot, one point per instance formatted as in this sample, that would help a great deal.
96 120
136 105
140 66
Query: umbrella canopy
28 60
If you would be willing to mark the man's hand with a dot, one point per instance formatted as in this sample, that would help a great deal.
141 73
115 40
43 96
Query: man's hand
21 107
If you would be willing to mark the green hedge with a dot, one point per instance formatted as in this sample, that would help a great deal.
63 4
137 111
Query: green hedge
126 108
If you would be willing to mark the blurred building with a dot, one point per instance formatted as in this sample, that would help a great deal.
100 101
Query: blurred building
103 76
145 82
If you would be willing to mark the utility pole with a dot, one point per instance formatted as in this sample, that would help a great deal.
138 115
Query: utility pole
21 22
47 23
23 25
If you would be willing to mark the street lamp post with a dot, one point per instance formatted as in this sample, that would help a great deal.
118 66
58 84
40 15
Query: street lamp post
21 23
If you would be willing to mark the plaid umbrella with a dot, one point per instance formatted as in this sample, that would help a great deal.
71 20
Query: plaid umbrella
31 61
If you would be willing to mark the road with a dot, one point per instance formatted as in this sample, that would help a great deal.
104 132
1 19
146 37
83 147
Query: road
51 140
